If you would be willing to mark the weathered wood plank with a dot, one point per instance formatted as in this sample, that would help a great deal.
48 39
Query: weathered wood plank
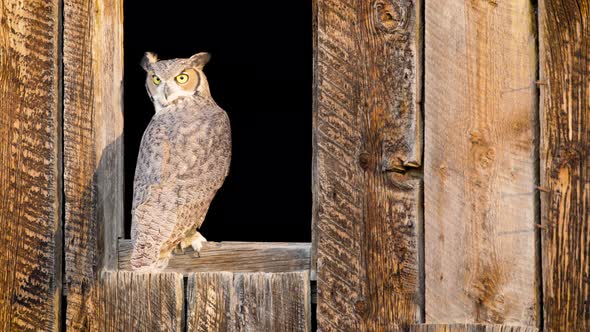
367 136
93 146
564 51
30 227
233 257
314 93
479 173
471 328
227 302
128 301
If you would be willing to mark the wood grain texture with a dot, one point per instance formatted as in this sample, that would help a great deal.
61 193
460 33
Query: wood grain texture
128 301
367 143
479 173
30 228
564 51
233 257
228 302
93 147
471 328
314 182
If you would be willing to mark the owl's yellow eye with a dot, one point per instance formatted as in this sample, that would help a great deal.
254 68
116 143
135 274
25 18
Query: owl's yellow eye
156 79
182 78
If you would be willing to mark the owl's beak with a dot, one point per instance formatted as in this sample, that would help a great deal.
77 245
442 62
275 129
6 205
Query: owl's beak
166 92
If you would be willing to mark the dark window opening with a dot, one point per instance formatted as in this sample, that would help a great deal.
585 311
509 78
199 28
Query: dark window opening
262 78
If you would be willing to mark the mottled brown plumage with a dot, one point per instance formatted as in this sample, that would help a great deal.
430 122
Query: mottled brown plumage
183 160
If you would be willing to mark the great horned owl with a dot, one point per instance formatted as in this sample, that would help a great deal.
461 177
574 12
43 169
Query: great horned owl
183 160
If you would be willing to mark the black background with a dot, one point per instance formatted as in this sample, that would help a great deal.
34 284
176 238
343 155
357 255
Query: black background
260 74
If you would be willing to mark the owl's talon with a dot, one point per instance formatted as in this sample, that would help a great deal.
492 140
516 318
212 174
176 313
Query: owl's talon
179 250
197 243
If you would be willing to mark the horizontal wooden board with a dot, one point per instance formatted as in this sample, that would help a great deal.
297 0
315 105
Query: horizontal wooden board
228 302
471 328
233 257
129 301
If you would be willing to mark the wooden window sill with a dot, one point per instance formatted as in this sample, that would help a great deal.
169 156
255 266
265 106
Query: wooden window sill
233 257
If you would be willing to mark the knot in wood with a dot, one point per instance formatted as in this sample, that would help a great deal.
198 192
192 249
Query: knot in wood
364 160
476 137
360 307
487 158
569 156
390 16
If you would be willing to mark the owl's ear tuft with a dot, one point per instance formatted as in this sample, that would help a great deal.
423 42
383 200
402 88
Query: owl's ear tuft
148 59
199 60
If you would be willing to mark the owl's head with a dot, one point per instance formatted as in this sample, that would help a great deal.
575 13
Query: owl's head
171 80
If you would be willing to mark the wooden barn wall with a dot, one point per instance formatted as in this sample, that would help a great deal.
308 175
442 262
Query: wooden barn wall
93 148
506 164
480 163
30 227
564 49
367 184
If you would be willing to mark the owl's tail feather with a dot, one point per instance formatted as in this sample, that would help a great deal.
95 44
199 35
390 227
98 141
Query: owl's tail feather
152 229
155 267
145 265
146 258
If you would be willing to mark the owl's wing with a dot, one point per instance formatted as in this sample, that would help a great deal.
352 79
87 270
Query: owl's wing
183 160
153 156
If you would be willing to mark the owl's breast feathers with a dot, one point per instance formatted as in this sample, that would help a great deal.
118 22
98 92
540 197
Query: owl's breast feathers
183 160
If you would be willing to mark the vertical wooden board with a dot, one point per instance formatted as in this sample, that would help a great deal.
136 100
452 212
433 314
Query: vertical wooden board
30 227
367 135
128 301
471 328
224 301
564 51
479 174
93 147
314 183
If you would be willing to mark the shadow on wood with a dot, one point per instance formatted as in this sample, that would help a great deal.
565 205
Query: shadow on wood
92 223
